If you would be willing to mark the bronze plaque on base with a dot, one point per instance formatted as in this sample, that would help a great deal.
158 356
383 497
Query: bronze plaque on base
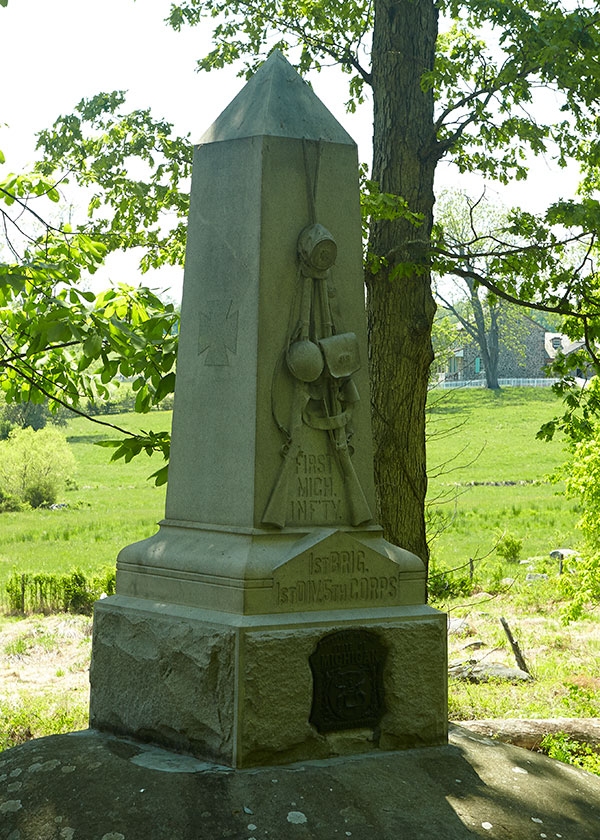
347 668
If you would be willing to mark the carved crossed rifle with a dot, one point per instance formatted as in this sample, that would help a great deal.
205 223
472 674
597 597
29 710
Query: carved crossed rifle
326 361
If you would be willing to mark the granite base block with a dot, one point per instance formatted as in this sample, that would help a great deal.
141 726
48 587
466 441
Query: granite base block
239 689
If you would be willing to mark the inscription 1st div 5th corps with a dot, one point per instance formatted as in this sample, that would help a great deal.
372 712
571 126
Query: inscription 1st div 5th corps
337 577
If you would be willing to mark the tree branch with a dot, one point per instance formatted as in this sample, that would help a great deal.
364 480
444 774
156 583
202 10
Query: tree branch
64 404
561 309
339 53
17 356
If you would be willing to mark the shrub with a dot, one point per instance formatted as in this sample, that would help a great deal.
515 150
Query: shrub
28 414
442 585
8 503
565 749
582 479
35 465
33 716
73 592
510 548
6 428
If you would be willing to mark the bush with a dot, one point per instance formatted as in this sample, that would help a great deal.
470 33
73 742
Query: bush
8 503
33 715
6 428
582 479
28 415
565 749
73 592
442 585
510 548
34 466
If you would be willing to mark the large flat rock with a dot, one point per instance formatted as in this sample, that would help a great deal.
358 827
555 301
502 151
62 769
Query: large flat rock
91 786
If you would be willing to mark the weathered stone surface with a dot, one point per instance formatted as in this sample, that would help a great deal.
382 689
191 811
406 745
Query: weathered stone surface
277 102
89 786
277 676
530 733
484 672
274 147
342 570
163 677
240 692
459 627
417 694
257 573
564 553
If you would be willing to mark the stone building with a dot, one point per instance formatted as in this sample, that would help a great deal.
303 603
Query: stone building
525 355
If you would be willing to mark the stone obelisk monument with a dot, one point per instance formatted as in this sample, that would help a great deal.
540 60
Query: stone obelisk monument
268 621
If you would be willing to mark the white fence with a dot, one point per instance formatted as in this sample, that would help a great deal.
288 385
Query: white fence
542 382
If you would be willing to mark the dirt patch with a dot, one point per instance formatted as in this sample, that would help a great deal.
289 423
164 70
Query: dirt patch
41 653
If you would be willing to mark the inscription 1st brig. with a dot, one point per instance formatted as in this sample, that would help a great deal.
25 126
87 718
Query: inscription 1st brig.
337 577
315 498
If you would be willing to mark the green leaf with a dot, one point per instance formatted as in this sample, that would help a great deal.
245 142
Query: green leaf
166 386
142 400
160 476
92 346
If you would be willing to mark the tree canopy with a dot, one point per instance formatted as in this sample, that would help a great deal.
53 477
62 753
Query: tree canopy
464 91
58 340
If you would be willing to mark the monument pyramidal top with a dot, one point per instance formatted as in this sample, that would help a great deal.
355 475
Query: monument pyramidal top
276 102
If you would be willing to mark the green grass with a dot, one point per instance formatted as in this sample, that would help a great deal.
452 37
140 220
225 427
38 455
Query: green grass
111 506
474 435
477 435
563 660
501 427
33 715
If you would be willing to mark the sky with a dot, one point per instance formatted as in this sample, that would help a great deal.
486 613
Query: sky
54 52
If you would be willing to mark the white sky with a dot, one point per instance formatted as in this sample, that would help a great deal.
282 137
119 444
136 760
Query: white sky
54 52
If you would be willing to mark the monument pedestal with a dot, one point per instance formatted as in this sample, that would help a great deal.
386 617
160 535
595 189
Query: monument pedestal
239 690
230 665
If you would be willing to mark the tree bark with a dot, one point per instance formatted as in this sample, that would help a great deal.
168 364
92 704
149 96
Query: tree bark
487 339
400 304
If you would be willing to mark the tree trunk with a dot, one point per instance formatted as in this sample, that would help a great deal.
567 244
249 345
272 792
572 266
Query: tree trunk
491 374
399 301
487 339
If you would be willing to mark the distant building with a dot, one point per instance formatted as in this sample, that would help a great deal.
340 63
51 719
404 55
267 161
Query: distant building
526 357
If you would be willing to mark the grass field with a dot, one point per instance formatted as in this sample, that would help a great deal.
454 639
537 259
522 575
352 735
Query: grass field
486 437
474 436
111 506
478 438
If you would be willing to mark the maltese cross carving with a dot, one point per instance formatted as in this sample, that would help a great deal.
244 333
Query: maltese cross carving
218 332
